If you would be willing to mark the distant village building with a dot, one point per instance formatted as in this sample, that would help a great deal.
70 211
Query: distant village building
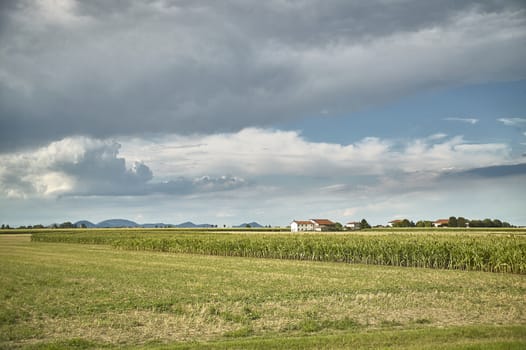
301 225
441 223
393 223
311 225
353 225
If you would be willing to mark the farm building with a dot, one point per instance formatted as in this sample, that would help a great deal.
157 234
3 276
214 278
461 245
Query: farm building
311 225
441 223
393 223
301 225
353 225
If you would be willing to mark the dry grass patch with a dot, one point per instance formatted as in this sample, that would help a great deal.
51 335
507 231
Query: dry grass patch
135 327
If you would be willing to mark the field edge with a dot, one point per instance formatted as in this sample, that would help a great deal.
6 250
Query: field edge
447 338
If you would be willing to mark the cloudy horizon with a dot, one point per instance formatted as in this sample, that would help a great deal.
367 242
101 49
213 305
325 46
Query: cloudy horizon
223 113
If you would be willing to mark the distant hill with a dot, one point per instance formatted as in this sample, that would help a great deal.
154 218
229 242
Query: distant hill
251 224
190 224
114 223
117 223
85 223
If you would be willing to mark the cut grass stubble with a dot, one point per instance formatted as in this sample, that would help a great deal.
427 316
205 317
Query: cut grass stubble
59 292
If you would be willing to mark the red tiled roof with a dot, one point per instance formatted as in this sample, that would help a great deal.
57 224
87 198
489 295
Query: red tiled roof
441 221
302 222
323 221
394 221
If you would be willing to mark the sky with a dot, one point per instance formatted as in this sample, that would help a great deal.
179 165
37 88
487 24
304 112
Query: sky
225 112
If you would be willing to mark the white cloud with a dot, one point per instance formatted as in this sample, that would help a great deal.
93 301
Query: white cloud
258 152
513 121
437 136
472 121
51 183
254 152
84 166
191 164
37 171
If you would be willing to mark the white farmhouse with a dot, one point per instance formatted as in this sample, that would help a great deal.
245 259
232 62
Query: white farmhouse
311 225
301 225
353 225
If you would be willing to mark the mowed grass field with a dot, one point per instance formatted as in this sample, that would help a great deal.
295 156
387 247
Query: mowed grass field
63 295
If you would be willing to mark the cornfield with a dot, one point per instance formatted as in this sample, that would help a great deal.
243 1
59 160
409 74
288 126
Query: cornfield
493 253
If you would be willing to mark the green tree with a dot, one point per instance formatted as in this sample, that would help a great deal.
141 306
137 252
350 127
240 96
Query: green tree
338 226
497 223
487 223
424 223
452 222
404 223
461 222
66 224
475 223
364 224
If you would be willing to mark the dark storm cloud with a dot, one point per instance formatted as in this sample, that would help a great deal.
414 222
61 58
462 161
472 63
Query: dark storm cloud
493 171
102 172
308 22
99 171
102 68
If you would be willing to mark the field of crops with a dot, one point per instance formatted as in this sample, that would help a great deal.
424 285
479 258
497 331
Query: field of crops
482 251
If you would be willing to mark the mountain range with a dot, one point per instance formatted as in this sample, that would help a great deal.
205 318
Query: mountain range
115 223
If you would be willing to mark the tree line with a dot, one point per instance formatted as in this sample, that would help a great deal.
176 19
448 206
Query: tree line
454 221
66 224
